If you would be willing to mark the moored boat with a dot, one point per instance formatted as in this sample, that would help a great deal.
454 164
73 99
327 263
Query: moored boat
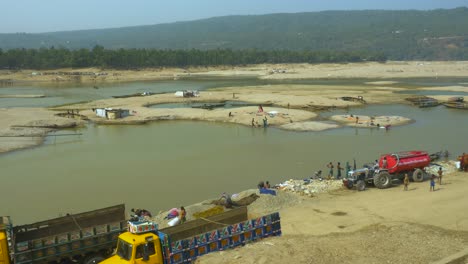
459 99
457 105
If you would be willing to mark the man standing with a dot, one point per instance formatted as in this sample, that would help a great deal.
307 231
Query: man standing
432 183
338 171
384 163
406 182
440 175
330 172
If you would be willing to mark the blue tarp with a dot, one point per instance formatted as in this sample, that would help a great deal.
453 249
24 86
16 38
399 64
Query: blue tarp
267 191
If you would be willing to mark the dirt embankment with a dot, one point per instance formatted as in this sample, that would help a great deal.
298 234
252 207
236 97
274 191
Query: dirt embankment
374 226
372 70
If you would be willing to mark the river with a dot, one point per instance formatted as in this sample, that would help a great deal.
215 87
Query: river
172 163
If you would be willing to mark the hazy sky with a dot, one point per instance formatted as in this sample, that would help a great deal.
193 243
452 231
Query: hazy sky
34 16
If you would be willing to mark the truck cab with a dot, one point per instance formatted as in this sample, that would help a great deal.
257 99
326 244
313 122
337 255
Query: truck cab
137 248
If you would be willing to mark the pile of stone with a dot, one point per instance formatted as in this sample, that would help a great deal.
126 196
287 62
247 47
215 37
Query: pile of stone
447 167
310 187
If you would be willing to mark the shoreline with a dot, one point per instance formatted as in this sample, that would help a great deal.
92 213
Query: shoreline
300 71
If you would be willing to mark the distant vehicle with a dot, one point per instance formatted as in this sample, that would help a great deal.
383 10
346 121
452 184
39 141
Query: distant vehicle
85 238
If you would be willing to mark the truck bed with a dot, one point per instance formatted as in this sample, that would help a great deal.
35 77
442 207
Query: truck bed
69 223
202 225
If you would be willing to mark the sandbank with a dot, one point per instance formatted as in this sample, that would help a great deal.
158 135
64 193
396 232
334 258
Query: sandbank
371 122
26 127
371 70
22 96
283 107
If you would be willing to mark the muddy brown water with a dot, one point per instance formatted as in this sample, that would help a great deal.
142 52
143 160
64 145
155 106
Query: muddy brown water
172 163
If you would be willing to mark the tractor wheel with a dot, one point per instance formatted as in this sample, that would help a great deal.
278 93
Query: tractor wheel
382 180
360 186
349 184
418 175
92 259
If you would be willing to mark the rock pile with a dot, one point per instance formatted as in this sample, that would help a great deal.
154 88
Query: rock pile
310 187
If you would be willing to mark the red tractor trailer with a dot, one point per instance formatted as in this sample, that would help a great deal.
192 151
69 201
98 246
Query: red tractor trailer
396 165
389 167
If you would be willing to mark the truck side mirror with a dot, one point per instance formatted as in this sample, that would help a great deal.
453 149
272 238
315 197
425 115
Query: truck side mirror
145 252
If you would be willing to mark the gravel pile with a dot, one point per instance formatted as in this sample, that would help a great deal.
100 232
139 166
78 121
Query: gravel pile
310 187
447 167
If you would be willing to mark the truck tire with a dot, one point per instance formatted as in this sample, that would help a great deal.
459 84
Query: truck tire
418 175
382 180
349 184
360 186
93 259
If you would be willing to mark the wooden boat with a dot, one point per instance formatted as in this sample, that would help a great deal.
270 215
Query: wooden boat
359 99
134 95
428 103
209 106
423 101
459 99
457 105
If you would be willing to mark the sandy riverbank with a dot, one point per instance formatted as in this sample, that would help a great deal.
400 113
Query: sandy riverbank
373 226
27 127
372 70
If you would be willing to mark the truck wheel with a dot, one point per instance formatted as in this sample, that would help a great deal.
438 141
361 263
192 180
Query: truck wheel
382 180
349 184
360 186
418 175
93 259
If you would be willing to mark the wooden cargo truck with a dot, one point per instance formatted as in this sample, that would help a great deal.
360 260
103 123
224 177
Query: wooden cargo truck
86 238
186 242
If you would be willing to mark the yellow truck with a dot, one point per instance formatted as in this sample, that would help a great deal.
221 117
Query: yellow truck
85 238
144 243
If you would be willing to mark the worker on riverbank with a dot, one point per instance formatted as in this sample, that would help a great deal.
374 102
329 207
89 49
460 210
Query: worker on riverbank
440 175
384 163
338 170
432 183
406 182
265 122
330 172
182 215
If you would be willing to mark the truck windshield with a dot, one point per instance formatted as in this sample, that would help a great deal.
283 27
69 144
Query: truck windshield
124 250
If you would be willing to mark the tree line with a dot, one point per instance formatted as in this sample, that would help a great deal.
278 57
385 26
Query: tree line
55 58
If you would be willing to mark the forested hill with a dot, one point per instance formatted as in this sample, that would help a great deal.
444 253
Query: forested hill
401 35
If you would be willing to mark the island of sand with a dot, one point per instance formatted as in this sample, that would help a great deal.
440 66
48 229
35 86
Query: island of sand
288 106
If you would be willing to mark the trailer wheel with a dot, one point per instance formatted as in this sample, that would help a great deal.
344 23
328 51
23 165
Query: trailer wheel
382 180
360 186
93 259
418 175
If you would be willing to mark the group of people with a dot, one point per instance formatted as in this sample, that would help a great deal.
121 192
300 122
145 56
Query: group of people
264 185
432 182
181 214
256 124
330 167
140 214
